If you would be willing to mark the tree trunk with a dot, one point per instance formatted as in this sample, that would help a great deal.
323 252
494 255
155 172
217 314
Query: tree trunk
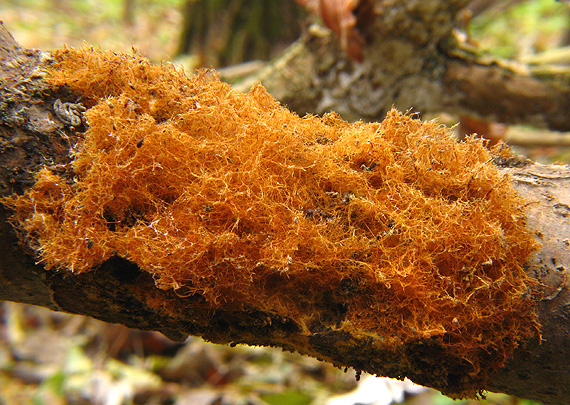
37 133
228 32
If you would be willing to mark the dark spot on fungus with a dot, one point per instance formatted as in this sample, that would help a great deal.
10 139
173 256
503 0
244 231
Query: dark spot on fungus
124 271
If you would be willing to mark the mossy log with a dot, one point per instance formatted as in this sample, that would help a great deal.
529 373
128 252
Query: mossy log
177 204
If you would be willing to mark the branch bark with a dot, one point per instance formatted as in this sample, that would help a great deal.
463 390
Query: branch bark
119 292
413 60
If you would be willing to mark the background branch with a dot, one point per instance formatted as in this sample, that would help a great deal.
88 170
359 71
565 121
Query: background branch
414 59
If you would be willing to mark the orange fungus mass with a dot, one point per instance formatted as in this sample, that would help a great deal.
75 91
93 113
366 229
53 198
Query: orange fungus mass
412 235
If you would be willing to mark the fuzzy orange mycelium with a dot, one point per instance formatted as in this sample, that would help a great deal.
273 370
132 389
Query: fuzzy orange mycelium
234 197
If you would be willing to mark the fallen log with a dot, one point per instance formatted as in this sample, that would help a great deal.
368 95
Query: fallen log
137 195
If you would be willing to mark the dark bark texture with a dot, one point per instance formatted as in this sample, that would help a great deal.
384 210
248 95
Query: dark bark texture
418 68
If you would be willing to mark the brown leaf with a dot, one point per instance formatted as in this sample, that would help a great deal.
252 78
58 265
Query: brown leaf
340 17
492 131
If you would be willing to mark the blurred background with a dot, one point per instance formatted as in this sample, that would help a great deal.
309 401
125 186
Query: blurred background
54 358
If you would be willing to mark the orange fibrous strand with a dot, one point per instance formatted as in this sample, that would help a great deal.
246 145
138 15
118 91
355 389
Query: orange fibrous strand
231 196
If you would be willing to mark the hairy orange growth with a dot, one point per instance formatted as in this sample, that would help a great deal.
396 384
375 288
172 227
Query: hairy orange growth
413 235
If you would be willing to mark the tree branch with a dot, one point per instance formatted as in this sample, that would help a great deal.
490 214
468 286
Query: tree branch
119 291
412 59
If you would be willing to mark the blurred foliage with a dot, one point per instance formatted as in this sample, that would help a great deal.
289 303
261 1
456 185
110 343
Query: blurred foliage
523 28
52 358
150 26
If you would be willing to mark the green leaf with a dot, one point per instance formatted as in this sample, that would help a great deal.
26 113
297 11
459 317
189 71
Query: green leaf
287 398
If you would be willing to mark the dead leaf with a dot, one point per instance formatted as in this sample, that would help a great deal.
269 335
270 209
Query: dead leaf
341 17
